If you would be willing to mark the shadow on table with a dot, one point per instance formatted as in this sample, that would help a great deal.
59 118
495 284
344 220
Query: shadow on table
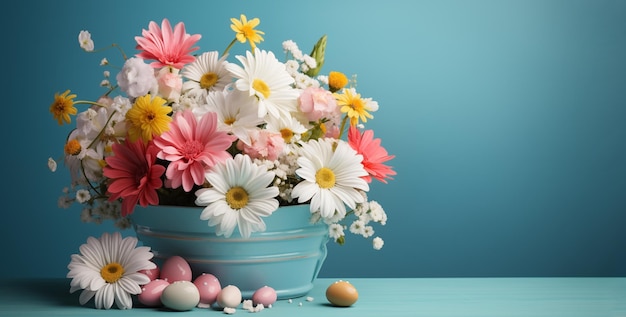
48 291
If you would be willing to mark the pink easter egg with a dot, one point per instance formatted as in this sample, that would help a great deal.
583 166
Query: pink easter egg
264 295
153 274
151 293
176 268
209 286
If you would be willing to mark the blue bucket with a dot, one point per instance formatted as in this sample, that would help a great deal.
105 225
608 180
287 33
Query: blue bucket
287 256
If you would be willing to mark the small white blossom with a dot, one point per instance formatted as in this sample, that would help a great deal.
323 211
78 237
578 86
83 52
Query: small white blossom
105 83
85 41
368 231
378 243
106 73
377 213
64 202
323 79
289 46
357 227
309 61
335 231
104 62
82 195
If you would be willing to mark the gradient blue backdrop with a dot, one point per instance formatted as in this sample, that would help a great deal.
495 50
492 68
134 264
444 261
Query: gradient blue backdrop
507 119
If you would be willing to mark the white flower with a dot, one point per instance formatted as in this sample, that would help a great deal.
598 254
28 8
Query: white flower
236 113
82 195
266 78
239 196
85 41
331 179
378 243
207 73
368 231
377 213
52 164
104 62
108 268
137 78
288 127
357 227
335 231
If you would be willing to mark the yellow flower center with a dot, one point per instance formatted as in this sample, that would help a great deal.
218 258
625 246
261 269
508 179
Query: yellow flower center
261 87
72 147
325 177
358 105
237 197
229 121
208 80
287 134
248 31
112 272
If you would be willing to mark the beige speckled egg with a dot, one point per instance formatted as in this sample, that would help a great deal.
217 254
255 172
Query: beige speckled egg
342 294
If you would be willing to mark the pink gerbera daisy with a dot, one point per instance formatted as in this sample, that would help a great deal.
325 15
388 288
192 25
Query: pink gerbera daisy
134 175
192 146
166 46
374 155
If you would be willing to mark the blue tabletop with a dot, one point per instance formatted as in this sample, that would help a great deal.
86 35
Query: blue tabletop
482 297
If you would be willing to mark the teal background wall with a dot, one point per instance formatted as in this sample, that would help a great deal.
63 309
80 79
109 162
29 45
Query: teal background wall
507 119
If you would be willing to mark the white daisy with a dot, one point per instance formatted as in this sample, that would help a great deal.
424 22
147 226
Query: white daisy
331 178
108 268
239 196
207 73
266 78
236 113
288 127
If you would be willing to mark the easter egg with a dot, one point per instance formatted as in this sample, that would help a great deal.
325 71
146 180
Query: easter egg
264 295
153 274
176 268
342 294
180 296
229 297
209 286
151 293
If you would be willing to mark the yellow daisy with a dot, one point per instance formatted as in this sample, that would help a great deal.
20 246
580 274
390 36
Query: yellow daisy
149 117
355 107
63 107
245 31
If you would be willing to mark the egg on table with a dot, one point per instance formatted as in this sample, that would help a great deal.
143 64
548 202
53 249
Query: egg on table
342 293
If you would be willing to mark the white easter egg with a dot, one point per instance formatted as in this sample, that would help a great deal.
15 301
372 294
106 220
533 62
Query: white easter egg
229 297
180 295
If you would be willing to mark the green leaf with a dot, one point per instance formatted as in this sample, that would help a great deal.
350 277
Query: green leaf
318 54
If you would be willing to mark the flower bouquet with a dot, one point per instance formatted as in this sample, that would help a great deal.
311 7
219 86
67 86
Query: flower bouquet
238 137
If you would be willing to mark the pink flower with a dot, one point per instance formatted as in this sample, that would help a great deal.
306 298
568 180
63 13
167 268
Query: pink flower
170 83
168 47
134 175
263 145
318 103
374 155
192 147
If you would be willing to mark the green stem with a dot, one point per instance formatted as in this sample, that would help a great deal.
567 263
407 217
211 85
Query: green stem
109 47
343 126
229 47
